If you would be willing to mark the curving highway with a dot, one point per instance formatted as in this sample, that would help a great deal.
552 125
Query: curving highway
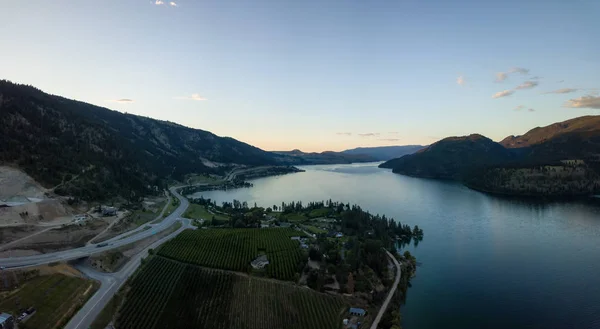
111 283
118 241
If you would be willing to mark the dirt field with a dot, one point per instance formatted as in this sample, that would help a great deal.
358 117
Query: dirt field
15 183
24 201
71 236
12 233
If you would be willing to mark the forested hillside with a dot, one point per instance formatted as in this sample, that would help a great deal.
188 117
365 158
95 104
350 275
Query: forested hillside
562 159
98 152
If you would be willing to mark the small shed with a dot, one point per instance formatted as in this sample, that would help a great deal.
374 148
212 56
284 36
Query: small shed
357 311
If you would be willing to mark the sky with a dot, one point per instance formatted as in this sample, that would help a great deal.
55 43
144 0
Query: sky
315 75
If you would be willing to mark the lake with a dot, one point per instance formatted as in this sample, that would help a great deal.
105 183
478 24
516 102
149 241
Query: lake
484 262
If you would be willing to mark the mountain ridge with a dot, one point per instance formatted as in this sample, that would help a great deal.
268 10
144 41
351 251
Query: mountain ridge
562 159
53 138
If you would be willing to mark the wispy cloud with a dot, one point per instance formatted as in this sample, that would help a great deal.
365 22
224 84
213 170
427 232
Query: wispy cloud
389 139
527 85
172 4
501 76
369 135
461 80
562 91
560 81
394 132
519 108
121 100
159 2
344 134
535 78
591 102
519 70
503 93
531 110
194 97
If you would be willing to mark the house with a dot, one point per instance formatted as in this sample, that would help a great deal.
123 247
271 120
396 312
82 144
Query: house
296 238
357 311
339 235
6 321
260 262
109 211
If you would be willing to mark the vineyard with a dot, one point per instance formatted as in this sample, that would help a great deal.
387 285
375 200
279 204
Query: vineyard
234 249
168 294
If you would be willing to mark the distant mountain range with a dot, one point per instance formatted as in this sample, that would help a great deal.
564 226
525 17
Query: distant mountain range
562 159
327 157
359 154
384 153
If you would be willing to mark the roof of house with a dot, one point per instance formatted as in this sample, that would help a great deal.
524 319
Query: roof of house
4 317
356 310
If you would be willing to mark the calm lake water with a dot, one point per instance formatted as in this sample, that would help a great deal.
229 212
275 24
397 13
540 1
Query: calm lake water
485 262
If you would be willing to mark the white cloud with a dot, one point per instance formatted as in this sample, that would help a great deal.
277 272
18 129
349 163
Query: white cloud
562 91
501 76
173 4
159 2
344 134
461 80
528 85
503 93
591 102
195 97
519 70
121 100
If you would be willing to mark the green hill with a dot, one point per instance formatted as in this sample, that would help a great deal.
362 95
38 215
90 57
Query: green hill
451 158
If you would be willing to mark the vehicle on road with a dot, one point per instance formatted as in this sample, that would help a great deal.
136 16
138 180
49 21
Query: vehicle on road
101 245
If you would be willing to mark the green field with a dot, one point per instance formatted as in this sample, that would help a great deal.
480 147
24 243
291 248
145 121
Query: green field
293 217
234 249
168 294
196 211
314 229
55 297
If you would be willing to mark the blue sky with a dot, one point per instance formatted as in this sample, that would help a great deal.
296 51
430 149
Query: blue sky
315 75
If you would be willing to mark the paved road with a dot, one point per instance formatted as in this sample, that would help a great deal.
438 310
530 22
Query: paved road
118 241
390 294
111 283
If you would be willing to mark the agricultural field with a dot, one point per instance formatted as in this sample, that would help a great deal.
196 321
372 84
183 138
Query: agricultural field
187 296
234 249
55 297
